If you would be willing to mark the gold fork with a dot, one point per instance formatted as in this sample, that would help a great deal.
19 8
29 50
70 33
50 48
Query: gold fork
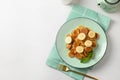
66 69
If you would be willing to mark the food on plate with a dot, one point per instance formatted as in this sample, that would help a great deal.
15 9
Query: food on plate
81 36
80 43
68 39
91 34
79 49
88 43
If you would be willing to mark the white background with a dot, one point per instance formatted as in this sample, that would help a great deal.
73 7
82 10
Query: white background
27 32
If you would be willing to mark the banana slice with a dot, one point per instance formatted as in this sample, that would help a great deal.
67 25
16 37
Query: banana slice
79 49
81 36
91 34
68 39
88 43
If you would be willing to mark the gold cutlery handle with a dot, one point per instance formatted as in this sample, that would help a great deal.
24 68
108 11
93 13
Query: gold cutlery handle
84 75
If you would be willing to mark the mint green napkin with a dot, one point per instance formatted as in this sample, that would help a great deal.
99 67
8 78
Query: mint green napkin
77 11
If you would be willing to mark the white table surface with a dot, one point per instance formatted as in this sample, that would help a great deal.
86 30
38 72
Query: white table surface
27 32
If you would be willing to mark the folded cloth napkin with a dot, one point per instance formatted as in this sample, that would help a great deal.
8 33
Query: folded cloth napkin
77 11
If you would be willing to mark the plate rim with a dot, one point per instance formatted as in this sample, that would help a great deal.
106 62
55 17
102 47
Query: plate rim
101 29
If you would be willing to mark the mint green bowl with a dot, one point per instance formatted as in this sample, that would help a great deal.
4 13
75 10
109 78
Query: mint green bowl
70 25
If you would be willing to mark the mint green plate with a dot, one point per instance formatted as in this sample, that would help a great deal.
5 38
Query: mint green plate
67 27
